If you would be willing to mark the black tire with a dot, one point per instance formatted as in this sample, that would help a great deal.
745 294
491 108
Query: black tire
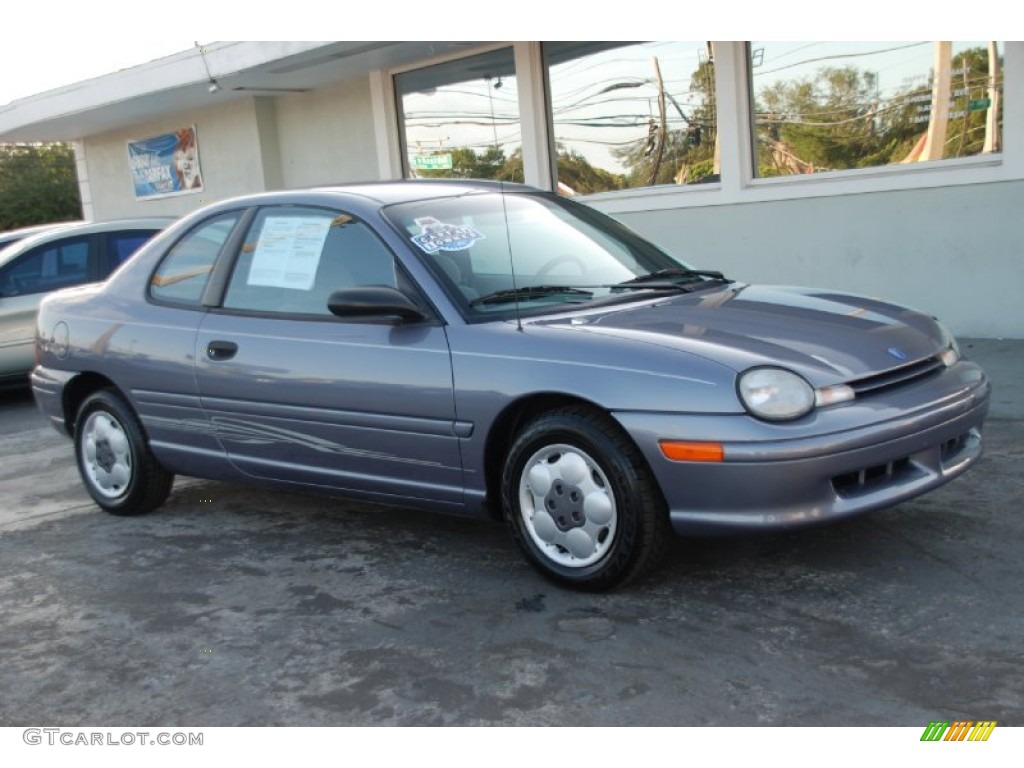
574 480
117 468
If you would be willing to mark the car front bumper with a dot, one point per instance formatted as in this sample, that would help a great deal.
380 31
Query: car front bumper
843 461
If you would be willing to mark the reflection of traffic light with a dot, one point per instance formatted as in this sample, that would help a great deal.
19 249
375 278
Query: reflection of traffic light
652 136
693 136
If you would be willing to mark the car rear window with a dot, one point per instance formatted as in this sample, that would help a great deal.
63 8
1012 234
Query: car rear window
124 244
185 270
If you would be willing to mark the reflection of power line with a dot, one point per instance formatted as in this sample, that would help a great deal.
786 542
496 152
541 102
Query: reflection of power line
692 100
603 143
416 118
460 92
865 112
841 56
797 50
630 116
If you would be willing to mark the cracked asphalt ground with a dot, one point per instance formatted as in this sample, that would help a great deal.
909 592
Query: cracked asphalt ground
245 606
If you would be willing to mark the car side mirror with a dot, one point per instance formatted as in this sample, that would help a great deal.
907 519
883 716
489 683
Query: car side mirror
371 301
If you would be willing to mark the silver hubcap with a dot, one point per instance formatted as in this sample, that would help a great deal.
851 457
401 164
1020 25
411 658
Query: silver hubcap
107 455
567 505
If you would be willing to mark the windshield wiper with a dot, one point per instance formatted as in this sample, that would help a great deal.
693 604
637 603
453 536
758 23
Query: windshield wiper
674 277
528 292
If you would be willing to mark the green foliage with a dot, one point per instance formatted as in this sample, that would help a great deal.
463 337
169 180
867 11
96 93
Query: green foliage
825 123
38 185
469 164
579 175
573 169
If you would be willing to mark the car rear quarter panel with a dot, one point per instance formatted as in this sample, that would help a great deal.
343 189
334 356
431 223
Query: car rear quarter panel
147 352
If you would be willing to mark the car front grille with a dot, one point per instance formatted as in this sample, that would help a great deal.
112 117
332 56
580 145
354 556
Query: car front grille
952 448
937 459
897 377
872 478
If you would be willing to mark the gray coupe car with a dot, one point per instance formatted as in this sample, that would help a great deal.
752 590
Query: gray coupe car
491 350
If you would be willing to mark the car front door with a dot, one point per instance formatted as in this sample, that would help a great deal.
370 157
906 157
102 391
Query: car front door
299 395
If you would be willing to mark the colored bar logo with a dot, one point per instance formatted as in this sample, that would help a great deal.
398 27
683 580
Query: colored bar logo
959 730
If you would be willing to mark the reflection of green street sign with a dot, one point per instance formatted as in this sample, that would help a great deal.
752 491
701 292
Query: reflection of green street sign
441 162
975 104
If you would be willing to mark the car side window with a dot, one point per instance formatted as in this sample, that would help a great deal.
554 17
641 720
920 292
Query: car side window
121 245
48 267
185 270
294 258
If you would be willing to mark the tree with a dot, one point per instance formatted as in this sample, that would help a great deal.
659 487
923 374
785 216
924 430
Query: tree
822 123
573 169
38 185
469 164
583 178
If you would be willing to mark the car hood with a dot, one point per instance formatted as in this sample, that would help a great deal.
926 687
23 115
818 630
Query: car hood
826 336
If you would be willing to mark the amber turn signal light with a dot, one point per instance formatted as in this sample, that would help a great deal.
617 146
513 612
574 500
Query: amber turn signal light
677 450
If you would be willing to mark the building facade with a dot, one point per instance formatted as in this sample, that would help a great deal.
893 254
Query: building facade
887 169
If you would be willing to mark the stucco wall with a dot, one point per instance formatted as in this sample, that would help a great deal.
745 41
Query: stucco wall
229 155
955 252
247 145
327 135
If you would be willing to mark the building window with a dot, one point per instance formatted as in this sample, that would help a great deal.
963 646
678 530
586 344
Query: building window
460 119
832 106
632 115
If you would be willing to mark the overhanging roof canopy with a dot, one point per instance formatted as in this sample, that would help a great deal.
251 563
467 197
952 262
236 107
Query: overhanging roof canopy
182 82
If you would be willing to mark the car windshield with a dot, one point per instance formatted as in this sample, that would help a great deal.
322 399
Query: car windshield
493 251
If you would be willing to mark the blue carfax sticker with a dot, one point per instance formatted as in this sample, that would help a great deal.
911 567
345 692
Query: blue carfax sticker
437 236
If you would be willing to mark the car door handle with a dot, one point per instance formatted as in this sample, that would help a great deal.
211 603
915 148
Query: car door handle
221 350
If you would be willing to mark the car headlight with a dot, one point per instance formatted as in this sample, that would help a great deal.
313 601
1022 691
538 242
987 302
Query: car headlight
775 394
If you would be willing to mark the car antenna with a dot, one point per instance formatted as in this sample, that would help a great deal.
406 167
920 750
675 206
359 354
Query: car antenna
511 261
504 206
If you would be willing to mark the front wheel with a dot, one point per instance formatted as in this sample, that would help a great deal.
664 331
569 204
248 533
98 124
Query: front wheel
116 465
581 501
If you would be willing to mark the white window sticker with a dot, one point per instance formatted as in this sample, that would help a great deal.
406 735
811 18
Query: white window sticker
288 252
437 236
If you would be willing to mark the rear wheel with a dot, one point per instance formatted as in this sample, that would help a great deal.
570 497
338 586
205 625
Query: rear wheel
116 465
581 501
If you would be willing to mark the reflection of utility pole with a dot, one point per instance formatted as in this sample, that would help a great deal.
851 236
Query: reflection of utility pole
716 163
992 143
706 63
663 132
936 141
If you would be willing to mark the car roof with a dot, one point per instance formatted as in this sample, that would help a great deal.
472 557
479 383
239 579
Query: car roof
81 228
376 193
388 192
14 235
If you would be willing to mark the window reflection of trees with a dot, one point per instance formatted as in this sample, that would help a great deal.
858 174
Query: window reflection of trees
837 106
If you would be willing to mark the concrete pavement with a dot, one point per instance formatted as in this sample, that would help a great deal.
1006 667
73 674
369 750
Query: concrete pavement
241 606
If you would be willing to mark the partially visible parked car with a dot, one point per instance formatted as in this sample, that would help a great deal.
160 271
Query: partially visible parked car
12 236
58 256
